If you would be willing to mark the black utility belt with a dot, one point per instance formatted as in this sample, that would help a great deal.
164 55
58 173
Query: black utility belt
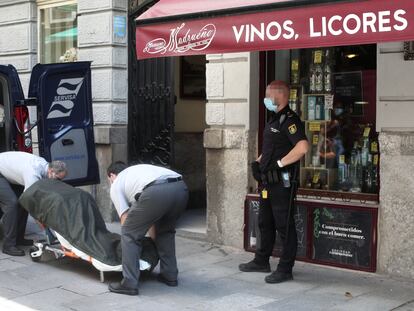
277 176
158 182
271 177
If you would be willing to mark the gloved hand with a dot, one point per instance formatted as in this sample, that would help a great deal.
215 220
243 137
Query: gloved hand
256 171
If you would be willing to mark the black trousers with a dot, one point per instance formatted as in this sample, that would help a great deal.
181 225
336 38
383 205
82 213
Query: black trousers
273 216
14 217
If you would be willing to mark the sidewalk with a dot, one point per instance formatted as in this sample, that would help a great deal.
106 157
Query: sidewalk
209 280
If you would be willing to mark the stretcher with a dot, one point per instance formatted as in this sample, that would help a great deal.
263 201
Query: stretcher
75 228
60 248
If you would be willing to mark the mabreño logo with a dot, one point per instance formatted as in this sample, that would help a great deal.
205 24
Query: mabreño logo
63 103
183 39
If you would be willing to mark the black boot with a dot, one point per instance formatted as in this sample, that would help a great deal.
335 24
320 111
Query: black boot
13 251
119 288
253 266
278 277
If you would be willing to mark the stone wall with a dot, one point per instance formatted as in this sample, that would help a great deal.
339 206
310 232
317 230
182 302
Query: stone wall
396 221
396 126
18 37
99 43
230 142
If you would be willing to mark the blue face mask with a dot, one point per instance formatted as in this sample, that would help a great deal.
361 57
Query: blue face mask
338 111
269 104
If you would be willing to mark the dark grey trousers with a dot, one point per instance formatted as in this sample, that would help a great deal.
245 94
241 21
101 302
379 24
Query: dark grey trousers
161 205
14 217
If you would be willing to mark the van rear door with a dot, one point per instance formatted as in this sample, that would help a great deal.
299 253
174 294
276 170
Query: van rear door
65 118
14 118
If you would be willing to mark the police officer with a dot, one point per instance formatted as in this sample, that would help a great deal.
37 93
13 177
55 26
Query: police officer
284 144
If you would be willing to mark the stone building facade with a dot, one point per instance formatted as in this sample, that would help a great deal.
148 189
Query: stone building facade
230 140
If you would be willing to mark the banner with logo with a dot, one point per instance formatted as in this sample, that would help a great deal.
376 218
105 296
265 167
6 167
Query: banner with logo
350 23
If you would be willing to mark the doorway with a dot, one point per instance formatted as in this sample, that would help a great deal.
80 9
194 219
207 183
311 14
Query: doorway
189 152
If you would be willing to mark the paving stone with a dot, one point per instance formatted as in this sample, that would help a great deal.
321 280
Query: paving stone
51 299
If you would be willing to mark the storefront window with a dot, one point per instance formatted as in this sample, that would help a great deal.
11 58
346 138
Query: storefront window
58 32
334 92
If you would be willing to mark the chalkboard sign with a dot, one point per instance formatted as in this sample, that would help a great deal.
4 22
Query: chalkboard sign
252 232
343 236
348 90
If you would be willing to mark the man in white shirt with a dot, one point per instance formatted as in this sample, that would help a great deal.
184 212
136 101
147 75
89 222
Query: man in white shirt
146 195
24 169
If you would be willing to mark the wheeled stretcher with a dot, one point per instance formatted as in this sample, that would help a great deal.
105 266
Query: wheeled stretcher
75 228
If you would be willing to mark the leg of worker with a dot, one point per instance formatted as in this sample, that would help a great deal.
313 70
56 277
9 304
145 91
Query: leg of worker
8 203
165 229
21 216
142 214
280 198
267 232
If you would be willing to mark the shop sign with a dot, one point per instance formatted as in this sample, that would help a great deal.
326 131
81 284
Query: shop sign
357 22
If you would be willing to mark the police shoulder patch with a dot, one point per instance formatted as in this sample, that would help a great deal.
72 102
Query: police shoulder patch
292 129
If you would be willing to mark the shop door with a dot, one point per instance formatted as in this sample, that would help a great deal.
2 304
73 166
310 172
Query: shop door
151 101
65 120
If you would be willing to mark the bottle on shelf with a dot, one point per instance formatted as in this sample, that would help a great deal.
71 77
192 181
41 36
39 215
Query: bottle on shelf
311 107
365 151
319 108
293 99
316 180
294 71
342 172
355 173
315 150
318 71
308 180
312 75
327 71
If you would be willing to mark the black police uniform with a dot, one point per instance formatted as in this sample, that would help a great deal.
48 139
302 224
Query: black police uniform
283 131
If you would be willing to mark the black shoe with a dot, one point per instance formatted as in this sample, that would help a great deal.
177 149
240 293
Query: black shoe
24 242
122 289
172 283
252 266
13 251
278 277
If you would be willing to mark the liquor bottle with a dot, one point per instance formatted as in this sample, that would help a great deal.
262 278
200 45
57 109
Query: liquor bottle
319 108
342 171
315 150
311 107
312 78
318 71
316 181
294 71
327 72
365 151
375 181
368 178
355 169
308 180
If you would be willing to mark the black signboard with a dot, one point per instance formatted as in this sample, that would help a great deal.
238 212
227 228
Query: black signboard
343 236
252 232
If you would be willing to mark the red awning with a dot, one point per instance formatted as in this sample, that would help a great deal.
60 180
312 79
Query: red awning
190 27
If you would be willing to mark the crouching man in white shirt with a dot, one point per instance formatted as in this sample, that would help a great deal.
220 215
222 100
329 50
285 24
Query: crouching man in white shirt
146 195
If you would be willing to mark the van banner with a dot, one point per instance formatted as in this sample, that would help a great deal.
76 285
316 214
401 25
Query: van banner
349 23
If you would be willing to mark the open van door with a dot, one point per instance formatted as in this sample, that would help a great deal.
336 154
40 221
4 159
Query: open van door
65 120
14 116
